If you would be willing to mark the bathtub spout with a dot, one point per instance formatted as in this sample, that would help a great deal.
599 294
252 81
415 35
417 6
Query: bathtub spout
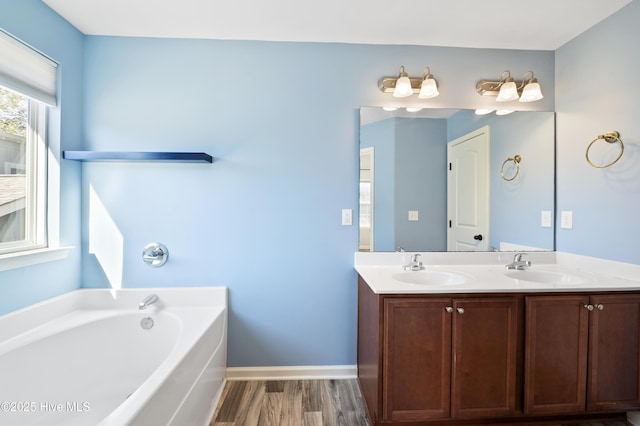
152 298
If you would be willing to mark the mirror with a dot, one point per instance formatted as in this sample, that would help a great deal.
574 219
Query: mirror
404 173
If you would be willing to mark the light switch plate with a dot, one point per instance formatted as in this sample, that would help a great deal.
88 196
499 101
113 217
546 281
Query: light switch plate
414 215
545 219
566 220
347 217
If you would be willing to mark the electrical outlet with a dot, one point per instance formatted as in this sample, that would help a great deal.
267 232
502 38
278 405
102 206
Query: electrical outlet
414 215
566 220
347 217
545 219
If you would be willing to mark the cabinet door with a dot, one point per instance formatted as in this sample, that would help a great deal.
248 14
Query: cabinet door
556 329
417 360
614 352
484 366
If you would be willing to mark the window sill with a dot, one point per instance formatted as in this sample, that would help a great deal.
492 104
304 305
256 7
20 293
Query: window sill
32 257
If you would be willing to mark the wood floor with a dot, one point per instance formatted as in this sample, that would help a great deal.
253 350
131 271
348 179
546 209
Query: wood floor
291 403
298 403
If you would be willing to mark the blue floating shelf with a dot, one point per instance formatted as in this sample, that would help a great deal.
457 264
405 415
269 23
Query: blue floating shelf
179 157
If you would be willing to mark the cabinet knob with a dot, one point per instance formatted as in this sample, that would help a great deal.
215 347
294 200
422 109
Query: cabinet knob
600 307
589 307
460 310
449 309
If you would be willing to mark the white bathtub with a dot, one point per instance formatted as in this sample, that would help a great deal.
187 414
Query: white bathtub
83 358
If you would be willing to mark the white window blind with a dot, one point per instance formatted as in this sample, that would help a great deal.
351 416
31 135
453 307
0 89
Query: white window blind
26 70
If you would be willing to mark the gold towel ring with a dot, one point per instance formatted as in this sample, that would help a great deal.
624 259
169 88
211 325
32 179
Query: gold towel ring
609 137
516 160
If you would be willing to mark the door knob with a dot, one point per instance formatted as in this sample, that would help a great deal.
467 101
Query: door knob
449 309
460 310
478 237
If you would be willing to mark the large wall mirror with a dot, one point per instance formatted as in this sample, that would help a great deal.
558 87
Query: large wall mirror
428 177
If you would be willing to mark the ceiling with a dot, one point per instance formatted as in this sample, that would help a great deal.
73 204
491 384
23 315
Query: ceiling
502 24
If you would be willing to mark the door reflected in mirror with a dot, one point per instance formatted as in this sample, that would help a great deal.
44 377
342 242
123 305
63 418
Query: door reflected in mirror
409 165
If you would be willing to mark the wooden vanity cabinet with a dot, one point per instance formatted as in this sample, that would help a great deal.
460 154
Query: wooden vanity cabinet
448 357
582 353
496 359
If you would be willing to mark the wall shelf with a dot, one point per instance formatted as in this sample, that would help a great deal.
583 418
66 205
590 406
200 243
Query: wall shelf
178 157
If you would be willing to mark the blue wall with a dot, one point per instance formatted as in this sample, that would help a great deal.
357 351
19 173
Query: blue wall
264 219
421 184
37 25
597 90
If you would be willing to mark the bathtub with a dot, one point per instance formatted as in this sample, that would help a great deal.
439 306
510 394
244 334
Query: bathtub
84 358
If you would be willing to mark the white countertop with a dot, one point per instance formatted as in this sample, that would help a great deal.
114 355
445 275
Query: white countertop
486 272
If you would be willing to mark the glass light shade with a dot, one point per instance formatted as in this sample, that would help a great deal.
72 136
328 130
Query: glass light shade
413 109
428 89
508 92
390 108
504 111
483 111
403 88
531 92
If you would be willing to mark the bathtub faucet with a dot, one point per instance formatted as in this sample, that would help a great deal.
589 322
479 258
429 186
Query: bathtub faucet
152 298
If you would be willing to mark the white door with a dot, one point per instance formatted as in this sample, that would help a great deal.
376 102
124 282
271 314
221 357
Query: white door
366 199
468 192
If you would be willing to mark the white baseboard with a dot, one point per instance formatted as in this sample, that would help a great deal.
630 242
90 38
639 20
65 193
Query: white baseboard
293 372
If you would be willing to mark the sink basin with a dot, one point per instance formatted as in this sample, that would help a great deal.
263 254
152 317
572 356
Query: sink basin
427 277
548 277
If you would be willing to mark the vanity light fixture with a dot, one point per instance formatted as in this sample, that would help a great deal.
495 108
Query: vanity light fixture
484 111
507 89
402 86
504 111
389 108
413 109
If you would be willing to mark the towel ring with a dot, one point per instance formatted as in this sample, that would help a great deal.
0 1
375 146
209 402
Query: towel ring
516 160
609 137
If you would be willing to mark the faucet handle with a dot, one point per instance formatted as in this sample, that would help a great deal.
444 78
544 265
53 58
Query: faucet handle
518 257
415 257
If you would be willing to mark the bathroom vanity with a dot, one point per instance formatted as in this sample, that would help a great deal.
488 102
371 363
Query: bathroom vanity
463 344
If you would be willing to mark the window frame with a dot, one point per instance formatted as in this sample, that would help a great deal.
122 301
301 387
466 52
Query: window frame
36 148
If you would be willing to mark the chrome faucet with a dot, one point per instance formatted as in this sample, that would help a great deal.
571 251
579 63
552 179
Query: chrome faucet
518 263
414 265
152 298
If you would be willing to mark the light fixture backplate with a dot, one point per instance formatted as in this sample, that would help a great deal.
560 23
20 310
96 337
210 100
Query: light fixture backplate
492 87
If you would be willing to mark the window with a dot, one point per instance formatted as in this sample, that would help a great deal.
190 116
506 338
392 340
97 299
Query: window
22 172
27 88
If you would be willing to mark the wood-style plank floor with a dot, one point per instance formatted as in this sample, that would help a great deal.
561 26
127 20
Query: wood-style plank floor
290 403
299 403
